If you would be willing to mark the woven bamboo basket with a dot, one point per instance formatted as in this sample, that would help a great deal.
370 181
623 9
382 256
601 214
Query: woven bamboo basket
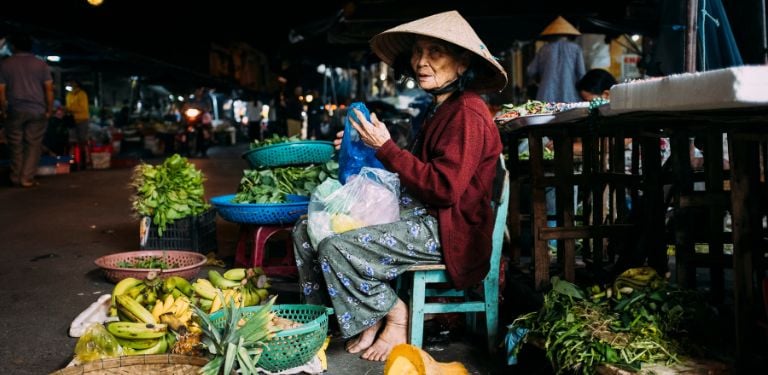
157 364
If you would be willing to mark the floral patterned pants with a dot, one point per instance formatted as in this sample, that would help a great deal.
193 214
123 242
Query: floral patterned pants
352 271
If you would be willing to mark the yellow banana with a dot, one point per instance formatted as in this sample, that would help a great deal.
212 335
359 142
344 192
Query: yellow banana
129 304
217 303
157 310
123 285
133 330
168 302
173 323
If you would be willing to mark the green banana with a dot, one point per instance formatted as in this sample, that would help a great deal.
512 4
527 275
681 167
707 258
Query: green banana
263 294
205 304
220 282
160 348
136 290
137 343
235 274
135 308
123 285
169 284
134 330
182 284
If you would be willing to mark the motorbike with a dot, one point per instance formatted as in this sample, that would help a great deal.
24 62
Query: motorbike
196 132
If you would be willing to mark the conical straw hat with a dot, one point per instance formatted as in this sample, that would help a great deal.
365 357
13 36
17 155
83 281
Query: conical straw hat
448 26
560 27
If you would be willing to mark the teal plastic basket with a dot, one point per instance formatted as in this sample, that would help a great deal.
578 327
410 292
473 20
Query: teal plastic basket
259 213
290 153
292 347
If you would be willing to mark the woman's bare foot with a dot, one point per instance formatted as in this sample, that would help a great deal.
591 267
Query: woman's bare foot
395 332
364 340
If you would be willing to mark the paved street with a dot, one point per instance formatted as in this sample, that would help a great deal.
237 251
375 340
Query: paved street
50 235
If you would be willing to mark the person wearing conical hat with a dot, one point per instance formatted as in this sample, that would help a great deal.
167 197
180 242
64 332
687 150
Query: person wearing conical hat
559 64
447 173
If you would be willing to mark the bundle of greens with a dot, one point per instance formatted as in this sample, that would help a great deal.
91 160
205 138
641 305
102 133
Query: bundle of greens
637 319
271 185
170 191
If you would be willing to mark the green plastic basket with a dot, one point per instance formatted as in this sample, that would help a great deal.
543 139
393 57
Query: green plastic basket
292 347
290 153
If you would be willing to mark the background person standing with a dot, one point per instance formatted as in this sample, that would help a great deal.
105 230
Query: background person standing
26 99
558 64
77 106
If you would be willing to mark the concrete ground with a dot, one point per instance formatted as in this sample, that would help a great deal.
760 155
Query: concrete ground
50 236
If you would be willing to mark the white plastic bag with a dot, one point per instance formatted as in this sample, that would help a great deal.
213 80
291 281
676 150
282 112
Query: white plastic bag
368 198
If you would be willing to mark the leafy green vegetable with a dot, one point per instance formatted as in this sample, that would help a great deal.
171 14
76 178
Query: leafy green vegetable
147 262
168 192
271 185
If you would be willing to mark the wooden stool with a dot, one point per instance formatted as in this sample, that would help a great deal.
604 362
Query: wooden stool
251 249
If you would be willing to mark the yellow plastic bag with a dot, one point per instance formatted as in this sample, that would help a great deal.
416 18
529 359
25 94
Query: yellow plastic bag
96 343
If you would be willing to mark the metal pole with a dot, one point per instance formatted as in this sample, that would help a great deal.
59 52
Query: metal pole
690 35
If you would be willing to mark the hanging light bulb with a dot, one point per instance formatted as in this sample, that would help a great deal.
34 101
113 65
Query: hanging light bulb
95 2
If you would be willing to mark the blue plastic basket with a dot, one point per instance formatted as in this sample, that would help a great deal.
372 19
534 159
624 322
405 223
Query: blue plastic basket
259 213
290 153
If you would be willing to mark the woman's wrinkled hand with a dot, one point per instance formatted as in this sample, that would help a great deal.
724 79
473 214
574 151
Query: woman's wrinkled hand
337 141
373 133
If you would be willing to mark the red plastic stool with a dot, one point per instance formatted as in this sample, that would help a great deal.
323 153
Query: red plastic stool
251 249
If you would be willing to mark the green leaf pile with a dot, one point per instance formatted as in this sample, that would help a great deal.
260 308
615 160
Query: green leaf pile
271 185
170 191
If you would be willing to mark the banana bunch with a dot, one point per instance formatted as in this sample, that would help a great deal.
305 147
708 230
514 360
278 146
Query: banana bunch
176 313
151 290
141 338
243 287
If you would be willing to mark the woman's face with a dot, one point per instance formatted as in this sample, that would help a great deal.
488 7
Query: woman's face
435 64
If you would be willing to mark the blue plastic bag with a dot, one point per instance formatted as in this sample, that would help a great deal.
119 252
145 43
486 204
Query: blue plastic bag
354 153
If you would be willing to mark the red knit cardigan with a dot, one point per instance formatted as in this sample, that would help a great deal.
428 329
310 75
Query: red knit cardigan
453 175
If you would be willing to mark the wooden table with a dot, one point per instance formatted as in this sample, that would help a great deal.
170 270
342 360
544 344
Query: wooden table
603 175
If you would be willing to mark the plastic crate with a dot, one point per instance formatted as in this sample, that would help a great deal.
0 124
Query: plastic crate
194 233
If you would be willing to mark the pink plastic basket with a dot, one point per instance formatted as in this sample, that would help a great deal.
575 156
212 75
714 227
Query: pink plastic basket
189 264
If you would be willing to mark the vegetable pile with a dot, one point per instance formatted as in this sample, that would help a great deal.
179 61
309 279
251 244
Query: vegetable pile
168 192
637 319
271 185
147 262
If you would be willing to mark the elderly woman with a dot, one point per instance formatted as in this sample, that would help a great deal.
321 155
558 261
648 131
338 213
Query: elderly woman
447 174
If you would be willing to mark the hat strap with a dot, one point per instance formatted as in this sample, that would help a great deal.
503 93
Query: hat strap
459 84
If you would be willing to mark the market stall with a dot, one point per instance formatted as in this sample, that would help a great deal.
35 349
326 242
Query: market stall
710 105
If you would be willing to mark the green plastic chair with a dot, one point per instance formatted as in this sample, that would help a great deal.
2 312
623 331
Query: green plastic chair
436 273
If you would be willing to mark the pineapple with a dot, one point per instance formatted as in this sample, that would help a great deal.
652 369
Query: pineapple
236 345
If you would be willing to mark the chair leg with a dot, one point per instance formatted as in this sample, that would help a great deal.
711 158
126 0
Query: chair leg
491 291
416 318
